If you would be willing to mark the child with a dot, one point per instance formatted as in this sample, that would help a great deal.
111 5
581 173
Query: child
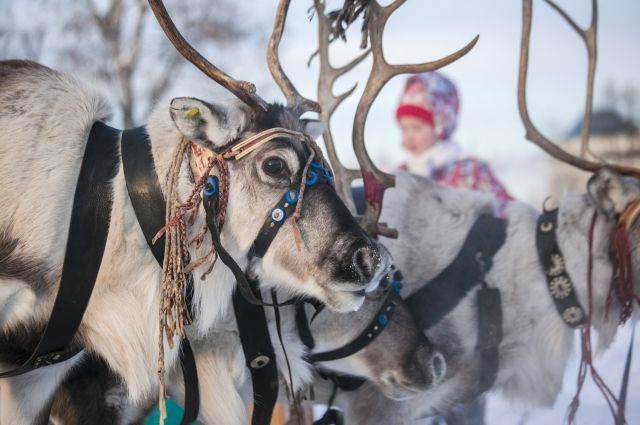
427 115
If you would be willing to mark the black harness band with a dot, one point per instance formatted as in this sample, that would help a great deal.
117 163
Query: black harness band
371 332
559 282
442 294
437 298
316 174
259 355
88 231
272 224
149 206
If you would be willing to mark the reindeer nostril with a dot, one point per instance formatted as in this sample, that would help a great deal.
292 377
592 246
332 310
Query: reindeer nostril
365 262
438 367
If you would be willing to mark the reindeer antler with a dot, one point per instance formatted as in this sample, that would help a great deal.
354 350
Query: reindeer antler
532 133
330 102
244 90
376 181
294 99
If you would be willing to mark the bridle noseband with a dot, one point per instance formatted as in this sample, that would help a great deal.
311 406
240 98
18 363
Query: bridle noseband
392 285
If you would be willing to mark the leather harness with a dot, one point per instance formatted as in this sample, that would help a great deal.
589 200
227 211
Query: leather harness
87 238
88 232
433 301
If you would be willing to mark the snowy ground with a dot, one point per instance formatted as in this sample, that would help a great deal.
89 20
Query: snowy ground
593 408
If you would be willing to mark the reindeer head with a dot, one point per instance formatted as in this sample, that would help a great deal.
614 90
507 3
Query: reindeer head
400 360
331 258
608 201
608 192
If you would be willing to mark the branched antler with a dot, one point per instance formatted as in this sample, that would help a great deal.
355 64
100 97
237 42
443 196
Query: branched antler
294 99
244 90
376 181
330 102
532 133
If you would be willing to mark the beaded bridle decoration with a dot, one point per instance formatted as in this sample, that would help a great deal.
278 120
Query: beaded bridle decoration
173 312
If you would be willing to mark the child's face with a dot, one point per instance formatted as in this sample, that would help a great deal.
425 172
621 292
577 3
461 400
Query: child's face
417 135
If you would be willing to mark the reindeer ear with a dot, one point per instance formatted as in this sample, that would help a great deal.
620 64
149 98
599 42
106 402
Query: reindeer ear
611 192
211 125
313 128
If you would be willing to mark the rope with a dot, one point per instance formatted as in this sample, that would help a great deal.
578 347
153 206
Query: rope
586 359
622 282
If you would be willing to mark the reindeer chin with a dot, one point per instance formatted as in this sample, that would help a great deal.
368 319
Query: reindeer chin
345 301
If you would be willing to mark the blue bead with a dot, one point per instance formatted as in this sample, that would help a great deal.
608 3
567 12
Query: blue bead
211 187
292 196
312 178
397 286
383 319
315 164
328 175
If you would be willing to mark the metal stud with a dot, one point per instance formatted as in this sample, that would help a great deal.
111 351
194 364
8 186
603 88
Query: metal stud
278 214
259 361
546 227
560 287
572 315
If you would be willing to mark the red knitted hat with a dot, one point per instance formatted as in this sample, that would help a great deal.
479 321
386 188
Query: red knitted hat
433 98
415 103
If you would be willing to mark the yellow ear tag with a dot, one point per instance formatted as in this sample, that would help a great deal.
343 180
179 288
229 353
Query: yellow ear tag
192 113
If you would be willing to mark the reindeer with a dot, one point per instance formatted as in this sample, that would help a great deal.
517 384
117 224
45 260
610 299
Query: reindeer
410 367
397 372
597 234
46 117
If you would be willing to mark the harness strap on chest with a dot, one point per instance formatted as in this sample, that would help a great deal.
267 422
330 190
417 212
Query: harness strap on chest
88 231
259 355
440 296
149 206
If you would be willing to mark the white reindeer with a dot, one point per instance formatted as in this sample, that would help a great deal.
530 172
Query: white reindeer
45 118
536 342
411 366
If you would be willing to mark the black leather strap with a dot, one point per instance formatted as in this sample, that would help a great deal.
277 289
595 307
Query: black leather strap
259 355
146 195
144 187
559 282
440 296
371 332
316 174
624 386
273 223
489 335
149 206
393 285
211 208
87 238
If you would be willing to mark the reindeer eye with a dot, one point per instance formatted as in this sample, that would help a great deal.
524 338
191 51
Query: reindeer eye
275 167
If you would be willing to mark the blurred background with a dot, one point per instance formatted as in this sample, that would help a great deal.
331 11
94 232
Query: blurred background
118 45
